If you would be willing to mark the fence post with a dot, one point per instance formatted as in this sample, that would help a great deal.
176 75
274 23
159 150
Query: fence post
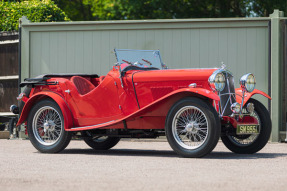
276 75
25 49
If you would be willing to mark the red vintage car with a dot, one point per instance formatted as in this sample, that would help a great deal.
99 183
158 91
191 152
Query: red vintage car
141 98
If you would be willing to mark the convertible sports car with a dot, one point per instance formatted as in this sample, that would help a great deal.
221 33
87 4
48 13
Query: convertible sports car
141 98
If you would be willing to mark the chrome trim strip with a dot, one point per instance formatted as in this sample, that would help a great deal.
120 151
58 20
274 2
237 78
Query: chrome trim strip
92 125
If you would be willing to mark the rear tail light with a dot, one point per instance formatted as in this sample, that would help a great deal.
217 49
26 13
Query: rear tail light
22 97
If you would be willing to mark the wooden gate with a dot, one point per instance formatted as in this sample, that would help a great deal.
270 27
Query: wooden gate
9 72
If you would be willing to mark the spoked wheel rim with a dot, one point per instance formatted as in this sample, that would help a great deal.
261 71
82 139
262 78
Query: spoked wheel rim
246 140
47 125
190 127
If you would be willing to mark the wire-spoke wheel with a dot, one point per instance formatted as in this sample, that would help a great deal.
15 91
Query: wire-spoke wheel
192 127
248 144
46 127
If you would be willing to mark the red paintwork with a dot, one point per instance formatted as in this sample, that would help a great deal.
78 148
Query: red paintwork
155 84
106 104
245 120
68 118
248 95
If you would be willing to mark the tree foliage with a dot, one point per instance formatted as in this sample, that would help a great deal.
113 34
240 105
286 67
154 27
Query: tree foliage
35 10
77 10
167 9
266 7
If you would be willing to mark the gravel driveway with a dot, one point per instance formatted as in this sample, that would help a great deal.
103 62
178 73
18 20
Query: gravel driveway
139 165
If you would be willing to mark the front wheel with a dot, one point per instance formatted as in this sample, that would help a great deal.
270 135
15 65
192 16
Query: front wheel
248 144
192 127
46 127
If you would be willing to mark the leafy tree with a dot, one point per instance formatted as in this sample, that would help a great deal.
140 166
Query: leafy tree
35 10
77 10
167 9
264 8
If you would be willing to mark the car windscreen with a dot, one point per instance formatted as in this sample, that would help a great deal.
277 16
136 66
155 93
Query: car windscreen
139 58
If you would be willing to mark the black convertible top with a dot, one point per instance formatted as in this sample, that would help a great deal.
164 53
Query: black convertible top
41 80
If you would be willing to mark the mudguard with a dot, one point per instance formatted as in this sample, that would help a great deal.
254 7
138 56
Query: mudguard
248 95
161 106
68 118
197 91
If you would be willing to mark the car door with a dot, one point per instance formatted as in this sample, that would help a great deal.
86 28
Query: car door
100 105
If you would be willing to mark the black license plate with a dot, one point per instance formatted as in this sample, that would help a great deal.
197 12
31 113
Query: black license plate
247 129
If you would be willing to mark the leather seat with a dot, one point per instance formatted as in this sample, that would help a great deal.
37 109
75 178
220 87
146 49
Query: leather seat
83 85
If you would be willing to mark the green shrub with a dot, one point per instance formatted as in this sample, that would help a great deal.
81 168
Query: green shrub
34 10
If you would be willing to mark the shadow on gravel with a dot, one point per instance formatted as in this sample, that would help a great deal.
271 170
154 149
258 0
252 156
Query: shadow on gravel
122 152
230 155
159 153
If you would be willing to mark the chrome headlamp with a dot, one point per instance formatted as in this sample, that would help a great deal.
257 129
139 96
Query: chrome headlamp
217 81
248 82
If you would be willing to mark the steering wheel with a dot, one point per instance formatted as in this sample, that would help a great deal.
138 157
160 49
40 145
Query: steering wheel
101 78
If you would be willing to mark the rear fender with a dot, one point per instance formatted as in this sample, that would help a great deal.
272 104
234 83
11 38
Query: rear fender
67 114
248 95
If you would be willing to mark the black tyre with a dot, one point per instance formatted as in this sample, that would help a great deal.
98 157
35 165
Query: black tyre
46 127
101 143
12 125
248 144
192 127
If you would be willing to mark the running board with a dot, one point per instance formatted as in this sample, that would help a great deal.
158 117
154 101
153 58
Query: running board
93 126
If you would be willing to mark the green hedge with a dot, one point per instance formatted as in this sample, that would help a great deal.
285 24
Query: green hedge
34 10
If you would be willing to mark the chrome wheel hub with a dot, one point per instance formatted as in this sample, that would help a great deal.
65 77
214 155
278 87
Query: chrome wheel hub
49 125
191 128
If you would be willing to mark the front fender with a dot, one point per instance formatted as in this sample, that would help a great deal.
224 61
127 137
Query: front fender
67 114
248 95
199 91
161 106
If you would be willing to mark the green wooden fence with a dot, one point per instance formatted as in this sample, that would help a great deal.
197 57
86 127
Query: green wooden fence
243 44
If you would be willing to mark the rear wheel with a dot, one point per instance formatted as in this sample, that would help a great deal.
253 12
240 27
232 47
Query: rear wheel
192 127
101 142
46 127
248 144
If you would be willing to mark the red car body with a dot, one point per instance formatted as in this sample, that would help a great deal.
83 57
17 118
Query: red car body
136 99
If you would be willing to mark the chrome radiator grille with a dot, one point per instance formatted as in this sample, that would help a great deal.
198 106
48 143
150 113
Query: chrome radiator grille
227 95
